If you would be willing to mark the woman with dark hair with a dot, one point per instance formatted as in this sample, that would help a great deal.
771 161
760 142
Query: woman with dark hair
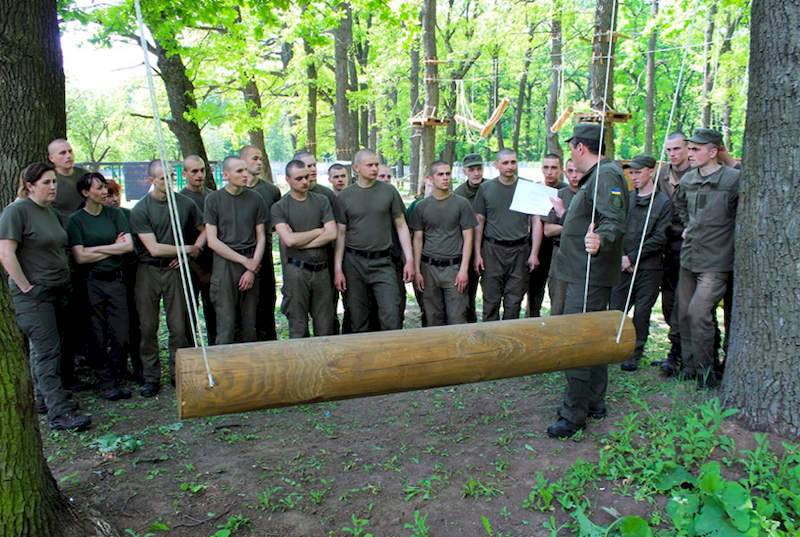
32 250
99 236
129 265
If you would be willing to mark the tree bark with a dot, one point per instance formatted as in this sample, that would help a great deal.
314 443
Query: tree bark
523 83
762 376
431 84
253 99
343 36
498 130
416 133
600 58
311 112
708 74
551 110
649 100
33 108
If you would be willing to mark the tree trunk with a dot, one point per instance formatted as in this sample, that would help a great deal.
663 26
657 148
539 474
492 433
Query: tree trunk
33 108
551 112
311 113
180 94
602 33
708 74
416 133
523 83
253 99
431 84
649 100
496 96
763 370
343 36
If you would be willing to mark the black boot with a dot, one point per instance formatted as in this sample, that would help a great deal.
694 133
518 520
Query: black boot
672 364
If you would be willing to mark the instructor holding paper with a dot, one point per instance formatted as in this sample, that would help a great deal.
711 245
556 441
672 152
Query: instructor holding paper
506 242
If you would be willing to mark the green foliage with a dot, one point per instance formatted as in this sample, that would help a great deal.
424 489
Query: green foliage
358 527
112 442
419 527
232 525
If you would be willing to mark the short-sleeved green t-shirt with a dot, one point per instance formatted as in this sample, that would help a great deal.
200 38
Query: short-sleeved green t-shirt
68 199
312 213
271 194
151 215
88 230
369 215
442 223
41 242
329 194
468 190
493 201
236 217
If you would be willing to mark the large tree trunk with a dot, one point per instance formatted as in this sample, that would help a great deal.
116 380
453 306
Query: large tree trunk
602 33
762 376
498 130
253 99
431 84
311 113
33 108
551 110
523 84
708 74
416 133
650 77
343 36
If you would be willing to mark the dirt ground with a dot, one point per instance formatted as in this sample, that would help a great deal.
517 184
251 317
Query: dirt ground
451 455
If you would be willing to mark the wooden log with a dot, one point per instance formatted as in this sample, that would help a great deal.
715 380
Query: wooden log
253 376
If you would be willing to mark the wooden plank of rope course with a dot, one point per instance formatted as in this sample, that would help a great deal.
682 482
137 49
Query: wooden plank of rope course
253 376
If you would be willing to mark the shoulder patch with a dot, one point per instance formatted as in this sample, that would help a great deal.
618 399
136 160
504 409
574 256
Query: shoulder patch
615 198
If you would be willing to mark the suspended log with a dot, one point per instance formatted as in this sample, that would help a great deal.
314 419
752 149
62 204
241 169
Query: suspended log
485 128
253 376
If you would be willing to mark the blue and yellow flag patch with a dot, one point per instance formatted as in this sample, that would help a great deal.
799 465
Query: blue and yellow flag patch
615 198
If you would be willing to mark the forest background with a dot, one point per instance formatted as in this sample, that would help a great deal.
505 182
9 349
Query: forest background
333 77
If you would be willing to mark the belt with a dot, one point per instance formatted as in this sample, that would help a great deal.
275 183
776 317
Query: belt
369 254
440 262
517 242
160 262
313 267
106 275
247 252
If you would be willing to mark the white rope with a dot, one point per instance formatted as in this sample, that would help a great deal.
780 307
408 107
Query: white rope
463 109
655 182
604 105
177 231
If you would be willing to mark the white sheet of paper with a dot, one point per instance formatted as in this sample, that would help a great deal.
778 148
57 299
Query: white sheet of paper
532 198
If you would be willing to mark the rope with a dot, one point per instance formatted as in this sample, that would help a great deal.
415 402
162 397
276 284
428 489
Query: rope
177 231
602 132
655 179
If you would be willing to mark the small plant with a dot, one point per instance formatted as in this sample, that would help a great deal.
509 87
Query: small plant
424 488
114 442
358 527
234 524
193 488
474 489
419 527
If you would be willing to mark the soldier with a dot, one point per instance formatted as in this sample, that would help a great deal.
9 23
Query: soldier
304 221
385 174
649 272
365 213
707 201
553 224
234 217
68 199
194 171
311 163
158 275
586 386
472 165
504 252
265 310
553 174
443 227
337 176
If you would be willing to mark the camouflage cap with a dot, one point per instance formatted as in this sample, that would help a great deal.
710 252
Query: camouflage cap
705 136
585 131
641 161
473 159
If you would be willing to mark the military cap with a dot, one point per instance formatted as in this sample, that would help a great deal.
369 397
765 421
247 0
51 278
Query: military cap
473 159
705 136
641 161
585 131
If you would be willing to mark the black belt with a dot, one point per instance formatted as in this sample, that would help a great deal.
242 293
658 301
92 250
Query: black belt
247 252
313 267
441 262
106 275
370 254
160 262
517 242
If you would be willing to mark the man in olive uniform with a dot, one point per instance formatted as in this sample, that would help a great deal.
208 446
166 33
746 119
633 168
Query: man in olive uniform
651 265
443 226
365 213
158 275
304 222
553 175
504 252
194 171
68 199
472 165
707 202
307 158
586 386
553 225
337 177
265 311
235 217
